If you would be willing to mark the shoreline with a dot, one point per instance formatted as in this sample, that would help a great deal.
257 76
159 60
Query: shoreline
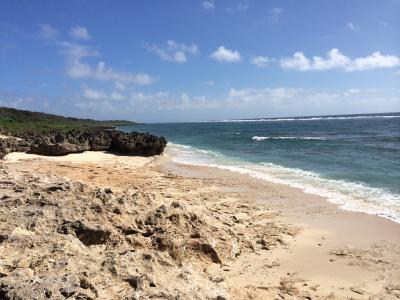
334 248
293 213
319 186
310 248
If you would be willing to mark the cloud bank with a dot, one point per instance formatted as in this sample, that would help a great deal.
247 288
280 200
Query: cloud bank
337 60
233 103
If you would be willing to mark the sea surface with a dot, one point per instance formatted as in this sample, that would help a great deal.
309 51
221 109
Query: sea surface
352 160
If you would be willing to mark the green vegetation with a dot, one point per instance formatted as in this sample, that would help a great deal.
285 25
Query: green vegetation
16 121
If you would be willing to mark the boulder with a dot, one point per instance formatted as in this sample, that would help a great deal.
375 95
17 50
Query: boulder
143 144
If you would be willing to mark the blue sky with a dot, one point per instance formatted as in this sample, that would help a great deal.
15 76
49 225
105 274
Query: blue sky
160 61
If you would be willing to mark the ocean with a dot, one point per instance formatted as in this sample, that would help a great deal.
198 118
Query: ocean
352 160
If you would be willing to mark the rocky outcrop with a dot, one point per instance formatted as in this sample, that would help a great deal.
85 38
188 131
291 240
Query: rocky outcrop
75 141
12 144
138 143
68 240
146 237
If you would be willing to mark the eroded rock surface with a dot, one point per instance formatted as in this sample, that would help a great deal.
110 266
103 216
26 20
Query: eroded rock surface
64 239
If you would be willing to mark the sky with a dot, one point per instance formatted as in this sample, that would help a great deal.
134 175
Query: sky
174 61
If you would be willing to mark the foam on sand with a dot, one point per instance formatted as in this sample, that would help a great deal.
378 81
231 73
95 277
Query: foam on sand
347 195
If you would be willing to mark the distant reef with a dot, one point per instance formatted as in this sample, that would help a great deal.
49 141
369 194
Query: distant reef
51 135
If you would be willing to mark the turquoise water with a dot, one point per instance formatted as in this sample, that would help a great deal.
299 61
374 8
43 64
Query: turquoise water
353 160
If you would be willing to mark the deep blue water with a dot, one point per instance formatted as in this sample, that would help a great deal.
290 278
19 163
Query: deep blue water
352 160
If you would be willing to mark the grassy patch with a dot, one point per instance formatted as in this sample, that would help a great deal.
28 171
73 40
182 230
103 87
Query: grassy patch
16 121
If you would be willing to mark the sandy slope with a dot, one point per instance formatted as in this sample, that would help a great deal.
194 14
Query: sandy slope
92 157
164 230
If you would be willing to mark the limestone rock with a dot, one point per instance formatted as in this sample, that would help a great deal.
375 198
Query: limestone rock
79 140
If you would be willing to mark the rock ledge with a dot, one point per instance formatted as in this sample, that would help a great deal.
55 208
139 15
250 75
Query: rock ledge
79 140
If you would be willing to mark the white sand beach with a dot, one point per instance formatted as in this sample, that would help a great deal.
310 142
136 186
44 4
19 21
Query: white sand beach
265 240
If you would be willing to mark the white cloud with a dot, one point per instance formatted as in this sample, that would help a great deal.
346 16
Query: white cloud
80 33
77 69
353 27
242 102
250 96
94 94
260 61
120 86
374 61
165 101
76 51
297 62
353 91
336 60
172 51
209 82
117 96
223 54
107 102
48 32
208 5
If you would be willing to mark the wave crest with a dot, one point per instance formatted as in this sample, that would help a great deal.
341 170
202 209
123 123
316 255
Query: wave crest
307 118
347 195
261 138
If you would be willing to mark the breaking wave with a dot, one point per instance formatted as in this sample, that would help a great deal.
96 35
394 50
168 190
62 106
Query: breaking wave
261 138
310 118
347 195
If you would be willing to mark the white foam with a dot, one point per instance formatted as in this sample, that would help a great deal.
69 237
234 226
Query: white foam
261 138
307 118
347 195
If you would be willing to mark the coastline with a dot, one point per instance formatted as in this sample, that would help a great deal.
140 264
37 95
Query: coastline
346 194
309 247
334 248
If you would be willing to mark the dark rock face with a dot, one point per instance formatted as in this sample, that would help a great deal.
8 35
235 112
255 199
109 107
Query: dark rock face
57 148
87 234
76 141
13 145
138 143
